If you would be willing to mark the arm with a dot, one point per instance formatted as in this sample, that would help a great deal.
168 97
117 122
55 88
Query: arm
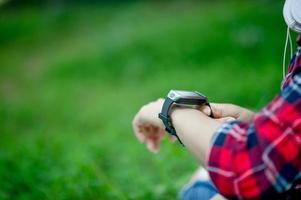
195 130
260 159
190 123
149 129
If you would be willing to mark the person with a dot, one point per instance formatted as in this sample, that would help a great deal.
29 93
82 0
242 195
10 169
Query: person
247 155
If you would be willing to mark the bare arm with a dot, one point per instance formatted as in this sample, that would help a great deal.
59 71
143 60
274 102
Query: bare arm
195 129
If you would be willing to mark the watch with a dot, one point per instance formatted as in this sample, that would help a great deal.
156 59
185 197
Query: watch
181 98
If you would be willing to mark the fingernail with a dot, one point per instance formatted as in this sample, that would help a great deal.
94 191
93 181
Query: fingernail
230 119
207 110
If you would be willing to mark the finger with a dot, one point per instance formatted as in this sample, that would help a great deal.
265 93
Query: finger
217 110
212 110
156 147
147 130
221 110
206 110
154 139
138 131
155 129
157 144
225 119
152 146
152 131
140 135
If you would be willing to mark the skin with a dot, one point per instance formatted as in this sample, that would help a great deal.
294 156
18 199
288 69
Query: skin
195 130
194 127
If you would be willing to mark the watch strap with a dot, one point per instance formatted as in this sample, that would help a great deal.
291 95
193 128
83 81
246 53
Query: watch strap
165 117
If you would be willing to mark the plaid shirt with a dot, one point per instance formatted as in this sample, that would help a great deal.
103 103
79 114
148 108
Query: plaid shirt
262 159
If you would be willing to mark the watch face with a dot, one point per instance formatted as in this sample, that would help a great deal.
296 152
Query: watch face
187 97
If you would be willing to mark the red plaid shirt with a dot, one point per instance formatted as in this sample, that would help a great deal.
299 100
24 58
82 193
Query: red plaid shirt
262 159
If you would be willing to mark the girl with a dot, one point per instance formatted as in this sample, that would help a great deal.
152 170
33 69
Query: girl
247 155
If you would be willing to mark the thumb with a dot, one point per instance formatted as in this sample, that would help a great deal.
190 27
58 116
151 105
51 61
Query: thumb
214 109
225 119
217 110
206 110
221 110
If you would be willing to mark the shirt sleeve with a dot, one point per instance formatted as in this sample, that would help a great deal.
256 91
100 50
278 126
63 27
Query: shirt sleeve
263 158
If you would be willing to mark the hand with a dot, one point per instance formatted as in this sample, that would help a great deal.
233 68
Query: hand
147 126
229 111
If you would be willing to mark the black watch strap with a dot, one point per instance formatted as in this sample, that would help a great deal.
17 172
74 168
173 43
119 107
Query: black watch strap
165 117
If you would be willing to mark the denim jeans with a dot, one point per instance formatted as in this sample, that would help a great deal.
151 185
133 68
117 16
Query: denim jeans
199 190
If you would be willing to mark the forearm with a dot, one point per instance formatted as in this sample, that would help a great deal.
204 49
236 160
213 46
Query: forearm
195 130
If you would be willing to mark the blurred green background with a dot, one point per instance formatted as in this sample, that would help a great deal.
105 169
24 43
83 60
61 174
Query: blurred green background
74 73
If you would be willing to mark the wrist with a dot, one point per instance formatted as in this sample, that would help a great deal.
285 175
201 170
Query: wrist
181 98
176 111
195 129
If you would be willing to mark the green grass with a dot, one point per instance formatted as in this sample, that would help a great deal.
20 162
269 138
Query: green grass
72 78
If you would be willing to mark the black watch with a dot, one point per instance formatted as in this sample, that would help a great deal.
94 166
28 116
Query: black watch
180 98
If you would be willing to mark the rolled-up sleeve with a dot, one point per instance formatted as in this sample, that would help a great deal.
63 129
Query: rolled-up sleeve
260 159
